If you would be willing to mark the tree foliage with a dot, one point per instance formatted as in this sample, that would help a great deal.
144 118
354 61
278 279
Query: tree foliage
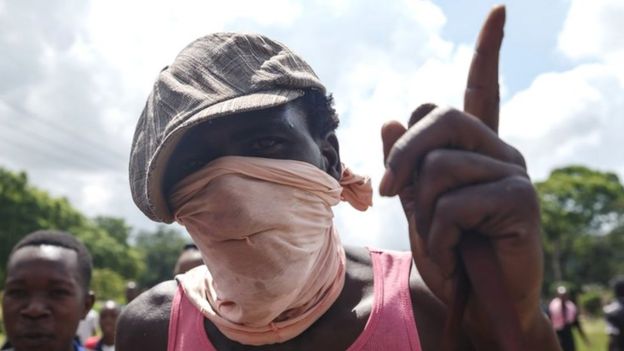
161 249
108 285
24 209
582 213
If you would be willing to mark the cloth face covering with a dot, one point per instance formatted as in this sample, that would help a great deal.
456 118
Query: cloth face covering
274 262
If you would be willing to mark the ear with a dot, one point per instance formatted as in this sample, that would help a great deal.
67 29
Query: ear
88 303
330 151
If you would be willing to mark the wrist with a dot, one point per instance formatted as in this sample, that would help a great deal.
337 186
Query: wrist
536 332
540 334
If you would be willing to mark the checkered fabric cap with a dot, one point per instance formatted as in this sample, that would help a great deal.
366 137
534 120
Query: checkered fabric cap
215 76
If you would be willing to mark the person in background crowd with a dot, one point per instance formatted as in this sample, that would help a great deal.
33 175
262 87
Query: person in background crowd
564 316
108 323
614 315
132 291
46 292
189 258
88 326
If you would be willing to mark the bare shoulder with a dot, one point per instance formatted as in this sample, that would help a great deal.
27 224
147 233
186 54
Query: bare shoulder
144 323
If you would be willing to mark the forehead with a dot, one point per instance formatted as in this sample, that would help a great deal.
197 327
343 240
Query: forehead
43 262
109 311
289 117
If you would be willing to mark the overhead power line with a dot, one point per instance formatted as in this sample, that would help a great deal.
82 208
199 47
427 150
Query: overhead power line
88 139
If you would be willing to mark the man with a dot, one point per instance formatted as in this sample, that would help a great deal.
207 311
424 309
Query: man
614 314
189 258
46 292
108 323
237 144
132 291
564 317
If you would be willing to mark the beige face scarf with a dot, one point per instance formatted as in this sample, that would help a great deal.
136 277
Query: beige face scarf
274 262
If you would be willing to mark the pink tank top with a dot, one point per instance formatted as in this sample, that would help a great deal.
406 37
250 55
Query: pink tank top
390 326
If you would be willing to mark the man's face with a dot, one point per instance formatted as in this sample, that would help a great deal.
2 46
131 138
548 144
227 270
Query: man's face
278 133
43 300
108 320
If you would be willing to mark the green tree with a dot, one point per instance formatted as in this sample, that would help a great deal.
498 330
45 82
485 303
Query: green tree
108 285
108 253
161 249
117 228
580 208
24 209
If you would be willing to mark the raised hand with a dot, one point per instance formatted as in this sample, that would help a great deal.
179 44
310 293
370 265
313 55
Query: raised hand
454 175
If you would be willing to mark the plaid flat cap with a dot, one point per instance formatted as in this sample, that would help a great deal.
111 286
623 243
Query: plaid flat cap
214 76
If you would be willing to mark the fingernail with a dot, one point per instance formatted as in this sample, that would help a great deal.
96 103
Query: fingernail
385 186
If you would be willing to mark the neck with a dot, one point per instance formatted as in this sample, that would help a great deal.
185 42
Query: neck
108 339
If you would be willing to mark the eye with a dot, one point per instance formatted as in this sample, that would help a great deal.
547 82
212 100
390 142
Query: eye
15 293
59 293
266 143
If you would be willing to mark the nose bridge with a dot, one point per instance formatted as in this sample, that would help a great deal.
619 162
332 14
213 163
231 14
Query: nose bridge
37 306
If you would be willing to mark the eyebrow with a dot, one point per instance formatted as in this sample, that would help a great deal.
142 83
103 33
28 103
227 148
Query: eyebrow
53 281
279 125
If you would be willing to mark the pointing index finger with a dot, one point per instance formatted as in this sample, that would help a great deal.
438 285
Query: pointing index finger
482 93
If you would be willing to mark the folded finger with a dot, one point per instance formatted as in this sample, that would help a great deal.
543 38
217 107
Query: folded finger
441 128
497 210
444 170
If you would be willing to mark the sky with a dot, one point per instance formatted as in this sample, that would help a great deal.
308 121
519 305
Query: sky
75 75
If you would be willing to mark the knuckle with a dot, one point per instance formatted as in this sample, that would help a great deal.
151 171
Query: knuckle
517 158
449 115
434 164
396 152
444 209
523 196
517 170
522 190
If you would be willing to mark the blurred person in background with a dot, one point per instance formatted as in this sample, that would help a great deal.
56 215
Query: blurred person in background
132 291
88 326
614 315
108 323
564 317
189 258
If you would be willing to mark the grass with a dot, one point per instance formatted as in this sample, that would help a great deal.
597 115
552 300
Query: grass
595 329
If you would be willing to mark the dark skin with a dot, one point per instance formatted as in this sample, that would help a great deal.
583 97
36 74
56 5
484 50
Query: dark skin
281 133
445 160
188 259
132 291
44 298
108 321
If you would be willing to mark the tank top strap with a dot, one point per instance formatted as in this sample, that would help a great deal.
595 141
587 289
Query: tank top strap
391 325
186 326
